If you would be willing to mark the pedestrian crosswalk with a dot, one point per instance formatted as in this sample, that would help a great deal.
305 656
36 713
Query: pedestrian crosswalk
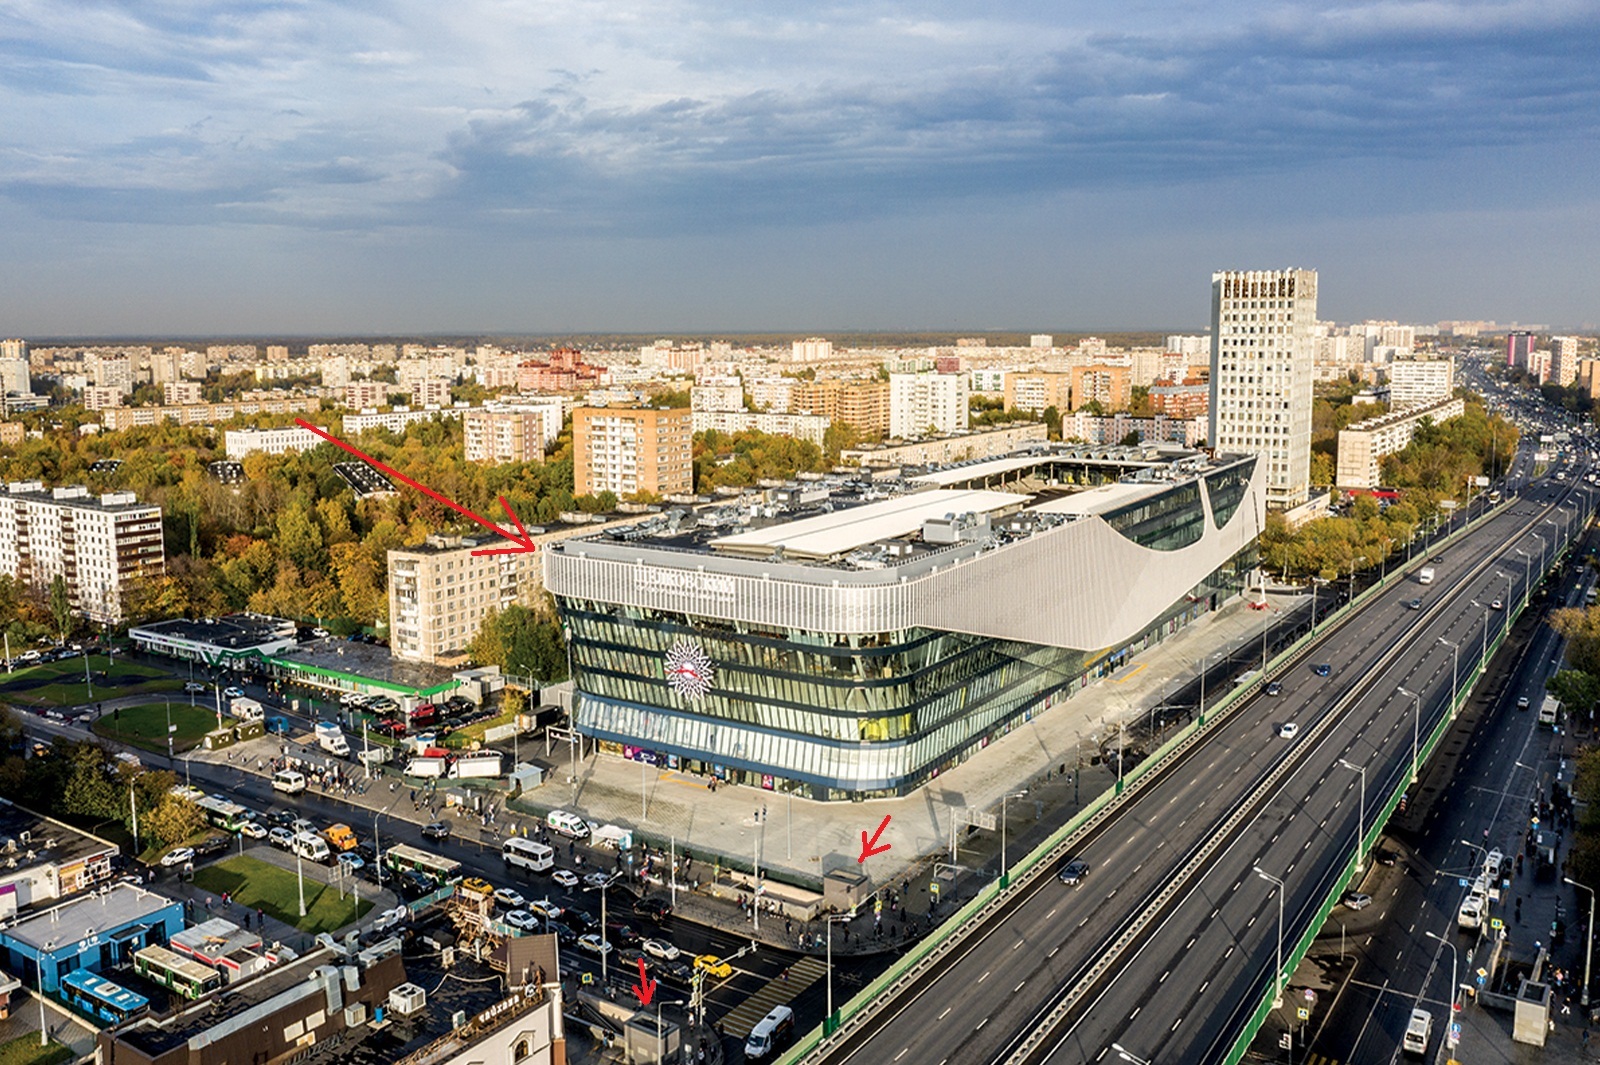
1320 1059
775 992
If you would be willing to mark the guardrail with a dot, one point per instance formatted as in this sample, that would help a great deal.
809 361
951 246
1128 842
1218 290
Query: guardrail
1023 873
1370 837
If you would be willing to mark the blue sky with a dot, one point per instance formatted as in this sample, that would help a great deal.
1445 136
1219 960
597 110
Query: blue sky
680 166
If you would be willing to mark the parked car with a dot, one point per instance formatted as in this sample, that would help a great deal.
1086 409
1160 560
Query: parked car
282 817
579 921
281 837
436 830
177 856
193 686
253 831
596 880
713 966
621 933
522 919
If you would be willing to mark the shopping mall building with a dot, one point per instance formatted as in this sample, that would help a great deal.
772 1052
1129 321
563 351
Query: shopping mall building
852 638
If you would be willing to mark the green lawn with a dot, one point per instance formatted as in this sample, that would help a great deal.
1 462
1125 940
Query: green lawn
146 726
259 885
25 1050
462 738
62 684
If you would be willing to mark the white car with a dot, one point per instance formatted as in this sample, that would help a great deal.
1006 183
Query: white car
522 919
660 949
177 856
597 880
594 944
564 877
281 837
319 632
300 824
390 918
1288 730
234 692
191 687
509 897
546 907
351 862
253 830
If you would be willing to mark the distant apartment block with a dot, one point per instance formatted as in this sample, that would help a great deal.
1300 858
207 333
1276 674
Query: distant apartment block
552 411
1034 392
360 395
810 427
1564 360
988 379
1191 399
564 371
1415 381
11 433
395 420
985 443
102 397
1109 386
1109 430
500 436
1261 374
717 395
921 404
14 348
810 350
1519 346
1363 445
178 393
98 544
208 413
15 373
109 371
1041 340
430 392
277 353
237 443
627 450
1589 377
863 405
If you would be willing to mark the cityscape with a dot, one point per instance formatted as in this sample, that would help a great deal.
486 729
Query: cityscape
914 627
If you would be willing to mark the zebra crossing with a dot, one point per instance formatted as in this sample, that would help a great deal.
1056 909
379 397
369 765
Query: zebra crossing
776 992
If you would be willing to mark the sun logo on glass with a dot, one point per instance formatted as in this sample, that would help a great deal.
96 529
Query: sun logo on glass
688 669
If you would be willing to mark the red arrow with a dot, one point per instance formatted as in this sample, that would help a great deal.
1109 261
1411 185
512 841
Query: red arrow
869 847
521 538
645 988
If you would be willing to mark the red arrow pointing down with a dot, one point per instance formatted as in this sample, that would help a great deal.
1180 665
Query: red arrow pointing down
645 988
521 538
869 847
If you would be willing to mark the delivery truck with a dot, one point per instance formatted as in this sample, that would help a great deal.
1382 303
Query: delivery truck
331 739
1425 575
427 767
482 764
246 709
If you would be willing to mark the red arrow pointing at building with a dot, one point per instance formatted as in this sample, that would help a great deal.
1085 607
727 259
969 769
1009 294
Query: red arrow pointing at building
645 988
869 847
520 538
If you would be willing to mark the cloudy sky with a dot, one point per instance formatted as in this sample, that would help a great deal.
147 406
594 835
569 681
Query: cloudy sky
306 166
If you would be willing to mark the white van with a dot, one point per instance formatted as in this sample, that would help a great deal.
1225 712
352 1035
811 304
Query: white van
771 1032
289 782
567 824
311 846
1418 1032
530 854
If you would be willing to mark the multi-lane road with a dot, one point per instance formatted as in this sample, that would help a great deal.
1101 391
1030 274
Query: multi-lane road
1171 940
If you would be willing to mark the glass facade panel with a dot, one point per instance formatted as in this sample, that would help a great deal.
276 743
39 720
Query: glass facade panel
1226 489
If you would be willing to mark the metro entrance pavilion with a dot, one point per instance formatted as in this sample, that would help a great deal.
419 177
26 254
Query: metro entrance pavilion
852 637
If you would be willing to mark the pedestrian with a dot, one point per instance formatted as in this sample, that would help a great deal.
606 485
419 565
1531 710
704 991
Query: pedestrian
261 917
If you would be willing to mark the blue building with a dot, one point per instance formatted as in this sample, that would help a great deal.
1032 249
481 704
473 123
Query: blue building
96 932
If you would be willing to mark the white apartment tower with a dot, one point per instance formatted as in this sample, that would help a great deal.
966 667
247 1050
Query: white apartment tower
99 544
1261 373
919 402
1564 360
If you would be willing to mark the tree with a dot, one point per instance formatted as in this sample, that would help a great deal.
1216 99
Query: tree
1052 421
60 604
1131 438
173 820
1577 690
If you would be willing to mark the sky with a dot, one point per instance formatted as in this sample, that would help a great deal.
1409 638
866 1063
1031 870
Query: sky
408 166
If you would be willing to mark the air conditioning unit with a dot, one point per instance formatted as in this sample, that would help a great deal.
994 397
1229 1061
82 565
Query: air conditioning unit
355 1014
407 999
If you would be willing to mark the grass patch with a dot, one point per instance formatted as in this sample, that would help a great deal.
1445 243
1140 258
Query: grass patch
465 737
25 1050
146 726
62 684
259 885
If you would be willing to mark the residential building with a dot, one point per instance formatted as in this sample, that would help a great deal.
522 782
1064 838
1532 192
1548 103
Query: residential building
500 436
15 374
335 370
1112 429
76 860
431 392
277 353
564 371
1589 377
99 544
14 348
1036 391
771 393
717 395
1190 399
1041 340
440 592
810 427
984 443
1519 346
166 366
11 433
102 397
811 350
1261 374
361 395
109 371
552 411
1034 591
1109 386
1363 445
1538 365
237 443
394 420
1564 360
628 450
1414 381
176 393
988 380
924 404
210 413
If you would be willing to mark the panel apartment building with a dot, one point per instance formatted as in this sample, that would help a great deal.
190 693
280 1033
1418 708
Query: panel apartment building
99 544
439 594
504 435
1363 445
1261 374
627 450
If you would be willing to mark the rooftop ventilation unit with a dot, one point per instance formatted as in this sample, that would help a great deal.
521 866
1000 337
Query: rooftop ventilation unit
407 999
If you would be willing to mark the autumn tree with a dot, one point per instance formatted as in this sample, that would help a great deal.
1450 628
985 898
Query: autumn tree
173 820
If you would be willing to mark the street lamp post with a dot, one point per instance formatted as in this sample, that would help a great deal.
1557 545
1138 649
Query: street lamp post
1005 804
659 1005
1588 940
1455 972
1416 730
1128 1055
1455 672
1527 564
1361 823
300 876
832 919
1483 654
1277 975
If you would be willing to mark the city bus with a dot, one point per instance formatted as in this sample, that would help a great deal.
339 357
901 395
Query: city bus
1494 496
529 853
442 870
226 815
95 996
180 975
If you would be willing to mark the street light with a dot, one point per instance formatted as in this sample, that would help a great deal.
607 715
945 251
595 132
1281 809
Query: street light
1005 804
300 875
659 1005
1527 564
605 943
1416 730
1455 971
832 919
1588 940
1277 976
1361 823
1483 655
1128 1055
1455 672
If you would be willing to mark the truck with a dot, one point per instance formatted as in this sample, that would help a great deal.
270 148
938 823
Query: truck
331 739
1425 575
340 837
482 764
427 767
246 709
1548 710
373 756
1418 1031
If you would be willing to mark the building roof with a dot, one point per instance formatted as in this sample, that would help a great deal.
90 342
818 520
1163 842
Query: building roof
22 831
828 535
1103 498
364 663
233 632
118 906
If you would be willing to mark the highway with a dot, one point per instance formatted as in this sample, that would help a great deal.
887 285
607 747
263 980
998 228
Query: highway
1170 941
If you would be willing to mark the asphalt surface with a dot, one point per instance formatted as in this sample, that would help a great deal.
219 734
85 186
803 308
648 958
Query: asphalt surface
1182 984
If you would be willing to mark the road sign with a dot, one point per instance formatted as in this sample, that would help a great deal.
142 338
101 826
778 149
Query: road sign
1496 923
1303 1014
1286 1041
1461 882
980 819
